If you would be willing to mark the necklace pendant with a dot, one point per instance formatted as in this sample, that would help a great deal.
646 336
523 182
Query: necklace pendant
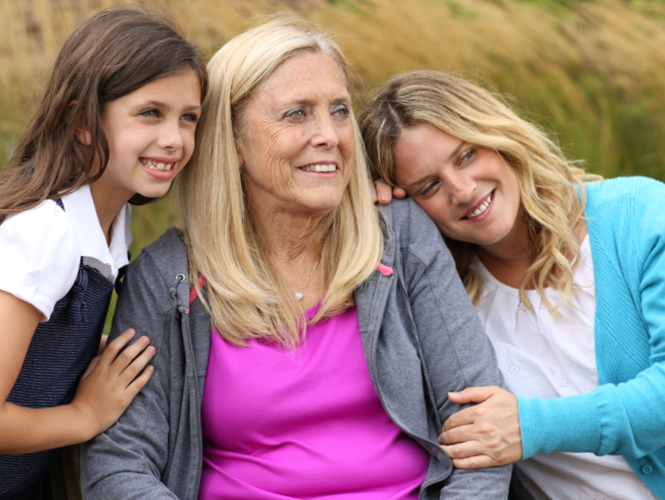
299 296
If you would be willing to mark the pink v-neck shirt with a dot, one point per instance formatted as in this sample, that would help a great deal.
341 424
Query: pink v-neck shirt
303 423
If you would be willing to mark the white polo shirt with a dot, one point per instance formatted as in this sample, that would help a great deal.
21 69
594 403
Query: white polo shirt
42 248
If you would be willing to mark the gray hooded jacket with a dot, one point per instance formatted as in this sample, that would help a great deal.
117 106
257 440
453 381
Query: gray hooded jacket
421 338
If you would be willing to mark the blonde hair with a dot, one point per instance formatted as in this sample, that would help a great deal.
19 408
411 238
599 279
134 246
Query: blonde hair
547 181
245 296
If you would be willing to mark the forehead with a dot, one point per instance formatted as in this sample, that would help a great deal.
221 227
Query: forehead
422 150
304 76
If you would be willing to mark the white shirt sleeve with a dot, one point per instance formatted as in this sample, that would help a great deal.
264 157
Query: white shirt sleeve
40 256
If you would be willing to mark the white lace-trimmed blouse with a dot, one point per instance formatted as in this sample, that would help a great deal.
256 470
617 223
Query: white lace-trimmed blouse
548 357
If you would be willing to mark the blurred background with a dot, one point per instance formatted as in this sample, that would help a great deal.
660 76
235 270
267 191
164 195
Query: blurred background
592 72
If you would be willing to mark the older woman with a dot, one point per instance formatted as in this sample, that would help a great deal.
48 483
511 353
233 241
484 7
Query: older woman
314 354
568 276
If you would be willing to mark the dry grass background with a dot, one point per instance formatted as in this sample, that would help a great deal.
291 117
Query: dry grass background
590 71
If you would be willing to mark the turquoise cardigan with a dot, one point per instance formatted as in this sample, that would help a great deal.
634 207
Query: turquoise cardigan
625 415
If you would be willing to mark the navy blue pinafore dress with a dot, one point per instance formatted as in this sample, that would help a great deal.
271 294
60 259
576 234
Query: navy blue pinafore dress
60 351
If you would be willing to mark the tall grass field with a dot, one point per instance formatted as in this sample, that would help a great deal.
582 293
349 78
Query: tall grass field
592 72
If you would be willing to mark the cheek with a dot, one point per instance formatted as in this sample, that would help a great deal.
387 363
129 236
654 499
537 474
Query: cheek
190 144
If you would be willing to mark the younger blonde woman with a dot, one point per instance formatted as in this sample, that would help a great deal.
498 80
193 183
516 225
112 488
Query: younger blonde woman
567 273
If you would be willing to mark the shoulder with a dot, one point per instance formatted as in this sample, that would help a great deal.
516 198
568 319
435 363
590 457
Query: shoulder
32 274
160 263
614 194
412 229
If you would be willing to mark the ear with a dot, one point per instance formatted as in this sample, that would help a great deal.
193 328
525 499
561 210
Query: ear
81 133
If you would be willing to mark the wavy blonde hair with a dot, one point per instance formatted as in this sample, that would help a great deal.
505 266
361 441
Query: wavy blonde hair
245 296
548 183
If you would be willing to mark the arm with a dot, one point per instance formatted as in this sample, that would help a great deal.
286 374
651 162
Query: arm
100 398
127 461
616 418
457 352
31 282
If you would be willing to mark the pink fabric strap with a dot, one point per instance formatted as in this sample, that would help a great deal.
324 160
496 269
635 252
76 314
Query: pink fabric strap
193 293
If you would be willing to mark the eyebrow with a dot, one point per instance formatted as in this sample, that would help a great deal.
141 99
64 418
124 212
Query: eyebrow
450 156
310 102
160 104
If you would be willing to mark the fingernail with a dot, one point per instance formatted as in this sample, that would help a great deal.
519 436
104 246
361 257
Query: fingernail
145 339
152 349
453 394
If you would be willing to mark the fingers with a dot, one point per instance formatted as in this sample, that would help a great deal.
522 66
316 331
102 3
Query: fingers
461 451
102 344
140 382
132 363
473 395
375 197
399 193
463 417
477 462
384 191
113 348
91 366
126 365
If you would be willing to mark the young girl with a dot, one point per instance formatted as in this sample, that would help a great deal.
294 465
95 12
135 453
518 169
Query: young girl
116 124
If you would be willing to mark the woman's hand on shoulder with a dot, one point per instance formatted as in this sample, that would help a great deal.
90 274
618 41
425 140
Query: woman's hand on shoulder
383 193
484 435
112 381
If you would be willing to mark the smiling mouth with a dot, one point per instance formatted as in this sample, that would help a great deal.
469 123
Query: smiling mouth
154 165
481 209
326 167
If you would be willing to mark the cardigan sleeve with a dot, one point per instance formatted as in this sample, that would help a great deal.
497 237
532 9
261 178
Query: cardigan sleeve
624 415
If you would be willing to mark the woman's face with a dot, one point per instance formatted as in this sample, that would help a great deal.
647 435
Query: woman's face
296 139
471 193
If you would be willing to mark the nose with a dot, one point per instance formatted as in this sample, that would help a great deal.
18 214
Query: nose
171 136
460 186
325 134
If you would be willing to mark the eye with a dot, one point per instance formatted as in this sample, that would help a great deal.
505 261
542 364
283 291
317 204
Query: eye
467 156
428 189
341 111
190 117
296 113
150 113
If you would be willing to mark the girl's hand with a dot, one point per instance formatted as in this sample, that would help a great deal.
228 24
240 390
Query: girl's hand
112 380
383 193
484 435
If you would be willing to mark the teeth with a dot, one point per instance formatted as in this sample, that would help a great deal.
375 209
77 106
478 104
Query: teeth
481 208
319 168
157 165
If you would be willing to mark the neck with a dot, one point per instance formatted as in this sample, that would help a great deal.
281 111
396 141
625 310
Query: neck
108 207
293 251
508 259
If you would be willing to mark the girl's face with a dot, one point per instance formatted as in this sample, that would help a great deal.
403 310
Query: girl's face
150 133
471 193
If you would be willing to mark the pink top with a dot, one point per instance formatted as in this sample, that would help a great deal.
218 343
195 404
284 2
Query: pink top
305 423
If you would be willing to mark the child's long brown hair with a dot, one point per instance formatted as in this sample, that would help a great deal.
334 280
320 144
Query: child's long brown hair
110 55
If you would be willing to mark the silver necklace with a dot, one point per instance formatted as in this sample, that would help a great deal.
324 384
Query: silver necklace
299 295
